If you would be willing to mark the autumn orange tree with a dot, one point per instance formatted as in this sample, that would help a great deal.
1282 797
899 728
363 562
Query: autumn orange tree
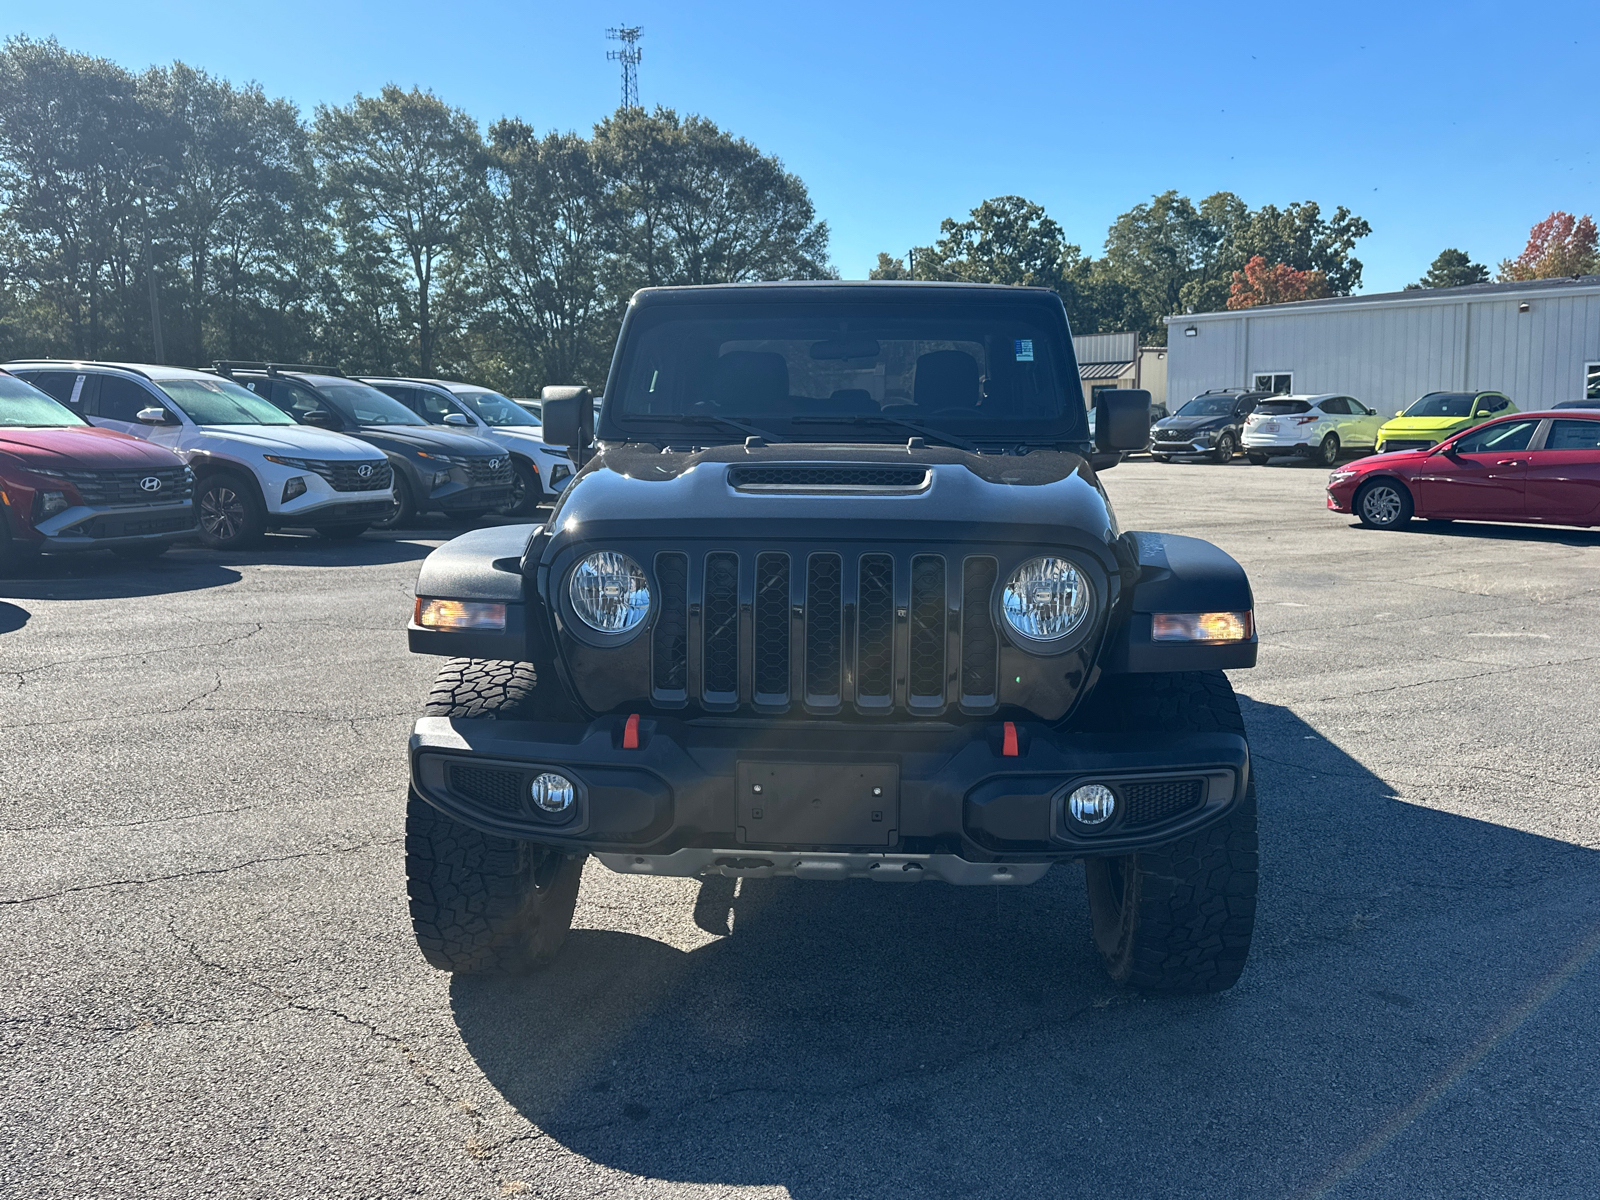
1559 245
1278 283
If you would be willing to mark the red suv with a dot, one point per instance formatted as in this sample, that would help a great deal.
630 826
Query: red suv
65 485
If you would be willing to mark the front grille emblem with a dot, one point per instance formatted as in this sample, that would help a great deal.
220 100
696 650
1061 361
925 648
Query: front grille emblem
496 463
364 470
150 483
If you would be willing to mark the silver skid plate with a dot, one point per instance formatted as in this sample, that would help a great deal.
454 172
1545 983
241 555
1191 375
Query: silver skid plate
764 864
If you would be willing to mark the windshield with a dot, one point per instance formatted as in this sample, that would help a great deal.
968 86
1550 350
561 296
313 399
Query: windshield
367 405
1441 404
221 402
23 406
493 408
1209 406
796 369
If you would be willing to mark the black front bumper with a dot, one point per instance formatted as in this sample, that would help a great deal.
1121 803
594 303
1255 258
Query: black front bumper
945 789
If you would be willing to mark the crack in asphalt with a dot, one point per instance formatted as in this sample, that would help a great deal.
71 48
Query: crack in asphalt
198 872
21 676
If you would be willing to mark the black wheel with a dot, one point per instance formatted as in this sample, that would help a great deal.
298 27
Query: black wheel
526 494
231 517
1225 448
342 533
405 506
1161 457
142 553
1259 460
1327 451
484 905
1177 918
1384 504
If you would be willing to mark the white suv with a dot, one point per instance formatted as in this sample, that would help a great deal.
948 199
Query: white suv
540 472
256 468
1316 427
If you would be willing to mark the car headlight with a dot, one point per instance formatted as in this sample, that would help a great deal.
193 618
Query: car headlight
1341 477
609 592
299 464
1046 599
433 457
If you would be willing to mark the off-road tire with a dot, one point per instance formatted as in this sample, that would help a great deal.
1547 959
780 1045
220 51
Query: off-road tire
1257 460
229 514
1177 918
1225 449
485 905
1327 452
1383 503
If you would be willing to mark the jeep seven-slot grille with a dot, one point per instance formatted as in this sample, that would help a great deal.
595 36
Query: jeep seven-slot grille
822 631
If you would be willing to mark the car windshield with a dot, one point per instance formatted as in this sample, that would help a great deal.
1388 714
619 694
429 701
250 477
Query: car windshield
23 406
493 408
1441 404
1281 408
1208 406
221 402
978 370
367 405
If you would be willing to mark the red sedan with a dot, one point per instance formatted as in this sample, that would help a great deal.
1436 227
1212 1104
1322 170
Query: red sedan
1539 467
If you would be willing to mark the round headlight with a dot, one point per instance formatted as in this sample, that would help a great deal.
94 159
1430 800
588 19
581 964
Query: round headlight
609 592
1046 599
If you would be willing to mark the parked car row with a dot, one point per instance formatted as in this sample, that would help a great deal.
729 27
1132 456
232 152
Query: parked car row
247 447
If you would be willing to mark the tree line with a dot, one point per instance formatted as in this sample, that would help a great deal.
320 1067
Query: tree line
173 216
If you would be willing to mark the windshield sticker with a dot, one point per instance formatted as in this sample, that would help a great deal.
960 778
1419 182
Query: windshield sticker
77 389
1024 349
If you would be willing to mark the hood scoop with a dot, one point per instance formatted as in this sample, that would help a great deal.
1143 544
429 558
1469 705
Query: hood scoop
812 479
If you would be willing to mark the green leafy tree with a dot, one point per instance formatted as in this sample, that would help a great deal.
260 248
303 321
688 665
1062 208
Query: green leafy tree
889 267
1451 269
403 169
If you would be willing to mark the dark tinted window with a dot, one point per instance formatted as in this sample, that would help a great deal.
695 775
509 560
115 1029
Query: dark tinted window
121 399
1573 435
1497 439
366 405
1337 405
291 397
1442 404
428 404
65 386
1281 408
1207 406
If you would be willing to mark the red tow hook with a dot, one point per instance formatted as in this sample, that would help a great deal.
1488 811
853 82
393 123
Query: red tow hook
1009 746
630 733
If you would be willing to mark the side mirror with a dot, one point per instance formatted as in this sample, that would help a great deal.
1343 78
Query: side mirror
154 415
1122 420
460 419
322 420
1399 412
1104 462
568 415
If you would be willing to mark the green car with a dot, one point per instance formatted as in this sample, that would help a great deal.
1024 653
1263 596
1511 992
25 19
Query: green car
1439 414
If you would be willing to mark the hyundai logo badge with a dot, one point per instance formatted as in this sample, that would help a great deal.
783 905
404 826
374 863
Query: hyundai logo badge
364 470
495 464
150 483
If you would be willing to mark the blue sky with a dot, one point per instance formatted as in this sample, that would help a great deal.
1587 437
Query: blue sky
1455 124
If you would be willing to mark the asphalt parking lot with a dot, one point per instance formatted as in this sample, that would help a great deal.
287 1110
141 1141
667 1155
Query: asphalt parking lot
213 988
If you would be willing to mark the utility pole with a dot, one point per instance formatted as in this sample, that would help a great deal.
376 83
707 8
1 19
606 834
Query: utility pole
629 57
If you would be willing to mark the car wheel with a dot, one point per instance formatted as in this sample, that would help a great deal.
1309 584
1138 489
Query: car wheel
526 494
405 506
484 905
145 553
1383 504
1178 918
1225 448
230 517
341 533
1259 460
1328 451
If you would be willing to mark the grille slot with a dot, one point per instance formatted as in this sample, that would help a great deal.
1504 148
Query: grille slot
669 658
824 629
483 475
980 647
772 629
1160 800
346 476
927 630
499 790
105 488
875 632
829 478
721 649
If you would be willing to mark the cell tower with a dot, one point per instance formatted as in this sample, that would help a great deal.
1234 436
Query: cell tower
629 57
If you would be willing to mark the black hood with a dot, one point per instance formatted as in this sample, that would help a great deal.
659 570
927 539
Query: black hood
418 437
1195 424
637 490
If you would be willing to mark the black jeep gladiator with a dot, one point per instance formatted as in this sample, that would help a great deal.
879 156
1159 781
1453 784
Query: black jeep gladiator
837 594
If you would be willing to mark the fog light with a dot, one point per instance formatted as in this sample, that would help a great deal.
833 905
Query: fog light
1092 804
553 793
295 487
440 478
50 503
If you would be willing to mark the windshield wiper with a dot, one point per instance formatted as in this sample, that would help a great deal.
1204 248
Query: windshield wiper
948 439
708 419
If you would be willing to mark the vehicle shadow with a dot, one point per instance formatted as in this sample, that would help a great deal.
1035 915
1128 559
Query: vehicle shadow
857 1039
12 618
1575 536
107 577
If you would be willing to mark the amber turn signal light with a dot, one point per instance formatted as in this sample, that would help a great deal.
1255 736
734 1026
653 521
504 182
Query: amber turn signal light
1202 627
459 614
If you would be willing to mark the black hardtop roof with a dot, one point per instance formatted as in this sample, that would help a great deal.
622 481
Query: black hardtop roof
820 290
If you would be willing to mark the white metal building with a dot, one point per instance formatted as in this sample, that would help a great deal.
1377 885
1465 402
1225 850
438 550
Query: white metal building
1116 360
1538 342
